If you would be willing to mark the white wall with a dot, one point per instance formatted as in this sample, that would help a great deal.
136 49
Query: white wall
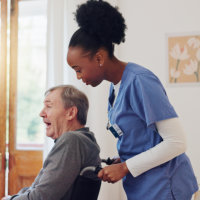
97 116
148 23
61 26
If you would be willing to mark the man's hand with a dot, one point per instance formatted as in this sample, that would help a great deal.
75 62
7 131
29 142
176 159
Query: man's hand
113 173
6 198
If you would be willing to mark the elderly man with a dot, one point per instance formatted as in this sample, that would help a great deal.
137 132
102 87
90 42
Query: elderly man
64 113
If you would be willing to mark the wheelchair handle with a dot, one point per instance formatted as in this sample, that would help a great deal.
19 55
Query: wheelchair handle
108 161
90 168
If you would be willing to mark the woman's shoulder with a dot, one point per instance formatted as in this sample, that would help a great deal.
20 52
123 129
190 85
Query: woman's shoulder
136 76
136 69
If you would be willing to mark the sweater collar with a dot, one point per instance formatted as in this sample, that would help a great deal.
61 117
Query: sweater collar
80 129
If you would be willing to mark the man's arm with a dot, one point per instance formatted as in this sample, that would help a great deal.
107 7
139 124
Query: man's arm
60 170
6 198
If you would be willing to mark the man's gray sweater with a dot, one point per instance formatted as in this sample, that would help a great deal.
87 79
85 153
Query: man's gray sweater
72 152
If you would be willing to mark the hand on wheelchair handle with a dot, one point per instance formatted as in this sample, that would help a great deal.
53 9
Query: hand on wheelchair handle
113 173
98 169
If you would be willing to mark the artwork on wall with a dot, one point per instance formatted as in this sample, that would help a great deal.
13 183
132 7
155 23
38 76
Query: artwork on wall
183 58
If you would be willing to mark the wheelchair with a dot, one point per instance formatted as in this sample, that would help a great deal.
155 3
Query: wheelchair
86 188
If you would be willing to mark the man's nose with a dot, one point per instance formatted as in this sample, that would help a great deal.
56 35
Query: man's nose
42 113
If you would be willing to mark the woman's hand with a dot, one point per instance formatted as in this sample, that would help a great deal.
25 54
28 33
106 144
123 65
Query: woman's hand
113 173
117 160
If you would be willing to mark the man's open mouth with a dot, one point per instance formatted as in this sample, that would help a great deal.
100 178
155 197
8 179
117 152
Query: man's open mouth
48 124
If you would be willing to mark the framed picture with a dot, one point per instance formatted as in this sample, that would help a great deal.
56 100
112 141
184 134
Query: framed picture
183 56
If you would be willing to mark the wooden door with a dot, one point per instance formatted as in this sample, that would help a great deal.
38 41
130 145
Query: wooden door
24 165
3 69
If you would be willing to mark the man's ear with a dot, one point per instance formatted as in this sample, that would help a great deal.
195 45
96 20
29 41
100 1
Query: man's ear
71 113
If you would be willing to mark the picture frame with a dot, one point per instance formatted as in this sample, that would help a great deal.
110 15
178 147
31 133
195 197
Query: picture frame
183 58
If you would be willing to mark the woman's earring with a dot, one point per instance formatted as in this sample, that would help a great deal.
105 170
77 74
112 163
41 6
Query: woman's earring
100 65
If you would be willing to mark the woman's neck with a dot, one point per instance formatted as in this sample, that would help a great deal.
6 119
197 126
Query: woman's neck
114 70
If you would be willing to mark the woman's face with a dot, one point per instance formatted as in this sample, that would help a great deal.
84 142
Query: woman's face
86 67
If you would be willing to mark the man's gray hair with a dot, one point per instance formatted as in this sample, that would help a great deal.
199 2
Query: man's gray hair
71 96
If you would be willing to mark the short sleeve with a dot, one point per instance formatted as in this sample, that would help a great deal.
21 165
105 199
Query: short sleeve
149 100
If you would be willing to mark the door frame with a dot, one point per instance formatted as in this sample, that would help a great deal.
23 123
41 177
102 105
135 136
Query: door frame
12 88
3 95
24 165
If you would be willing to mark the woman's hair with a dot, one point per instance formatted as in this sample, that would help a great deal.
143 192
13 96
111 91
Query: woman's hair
101 26
71 96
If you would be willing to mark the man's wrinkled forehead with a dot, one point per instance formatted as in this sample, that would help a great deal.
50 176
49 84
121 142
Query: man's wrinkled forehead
48 101
52 96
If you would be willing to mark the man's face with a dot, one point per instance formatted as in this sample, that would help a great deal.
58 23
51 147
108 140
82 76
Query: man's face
54 114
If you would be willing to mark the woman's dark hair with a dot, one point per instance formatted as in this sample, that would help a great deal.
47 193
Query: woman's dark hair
101 26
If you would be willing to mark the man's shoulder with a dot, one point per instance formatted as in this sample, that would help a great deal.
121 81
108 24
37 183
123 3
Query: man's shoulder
66 140
72 136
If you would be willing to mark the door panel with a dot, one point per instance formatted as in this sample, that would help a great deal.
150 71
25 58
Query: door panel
24 167
3 58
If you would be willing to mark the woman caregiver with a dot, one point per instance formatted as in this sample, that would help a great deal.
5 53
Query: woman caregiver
151 141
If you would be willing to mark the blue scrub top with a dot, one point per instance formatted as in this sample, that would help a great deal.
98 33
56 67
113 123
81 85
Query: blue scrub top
140 103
